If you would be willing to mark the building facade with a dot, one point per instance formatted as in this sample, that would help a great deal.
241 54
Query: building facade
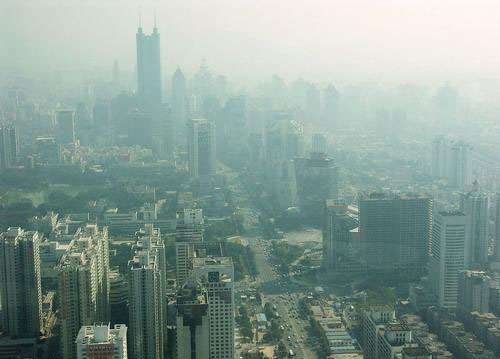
20 283
201 148
101 341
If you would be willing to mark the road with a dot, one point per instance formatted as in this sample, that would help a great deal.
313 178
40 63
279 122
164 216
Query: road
278 291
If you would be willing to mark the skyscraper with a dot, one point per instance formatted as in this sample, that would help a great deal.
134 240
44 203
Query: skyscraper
179 103
193 323
475 204
101 341
395 230
460 165
148 69
341 248
448 255
20 283
65 126
9 146
331 107
497 227
201 148
439 158
83 273
217 275
147 300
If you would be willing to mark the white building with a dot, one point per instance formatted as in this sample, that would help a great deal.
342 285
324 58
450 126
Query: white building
20 283
83 274
449 254
475 204
460 165
217 275
201 148
147 300
193 323
100 341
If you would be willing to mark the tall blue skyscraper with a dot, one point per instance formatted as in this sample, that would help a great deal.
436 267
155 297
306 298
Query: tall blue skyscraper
148 68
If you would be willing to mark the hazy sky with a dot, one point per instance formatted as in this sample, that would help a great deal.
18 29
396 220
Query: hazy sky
403 39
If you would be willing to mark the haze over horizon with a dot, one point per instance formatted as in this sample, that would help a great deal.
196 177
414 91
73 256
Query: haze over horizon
320 40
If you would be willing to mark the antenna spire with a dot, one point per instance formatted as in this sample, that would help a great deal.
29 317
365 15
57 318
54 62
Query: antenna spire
140 19
154 17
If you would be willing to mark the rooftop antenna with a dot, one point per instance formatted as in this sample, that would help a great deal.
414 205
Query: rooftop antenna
140 20
154 17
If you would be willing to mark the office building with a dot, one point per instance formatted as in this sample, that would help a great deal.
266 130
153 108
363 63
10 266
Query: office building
217 275
201 148
460 165
475 204
316 180
393 339
193 323
83 273
9 147
189 231
449 253
148 69
395 230
341 246
318 143
65 126
20 283
147 299
373 320
101 341
439 158
473 292
179 101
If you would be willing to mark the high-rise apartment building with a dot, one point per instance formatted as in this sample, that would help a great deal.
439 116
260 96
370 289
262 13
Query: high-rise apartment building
201 148
217 275
20 283
395 230
475 204
147 299
473 292
341 246
65 126
148 69
189 232
449 253
193 323
101 341
83 273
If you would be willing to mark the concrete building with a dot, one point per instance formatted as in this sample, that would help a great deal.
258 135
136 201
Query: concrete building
341 249
497 227
473 292
193 322
189 231
147 299
449 253
439 158
460 165
179 100
101 341
373 320
9 147
148 69
217 275
20 283
65 126
83 276
475 204
393 338
201 148
395 230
